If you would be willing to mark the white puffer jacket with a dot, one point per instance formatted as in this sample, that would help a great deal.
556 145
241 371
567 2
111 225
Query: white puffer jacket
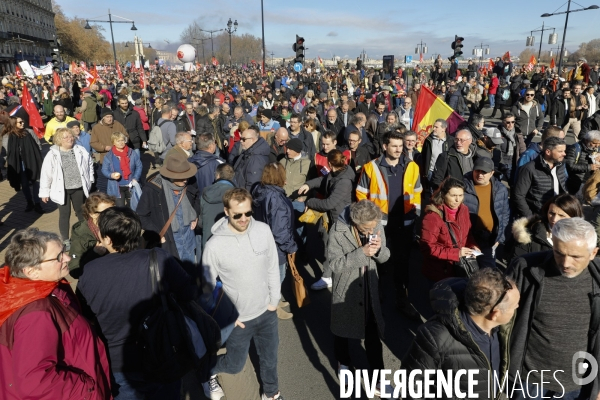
52 183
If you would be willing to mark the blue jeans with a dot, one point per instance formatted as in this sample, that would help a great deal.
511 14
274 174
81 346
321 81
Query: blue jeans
492 98
299 207
28 187
536 394
282 269
263 329
133 386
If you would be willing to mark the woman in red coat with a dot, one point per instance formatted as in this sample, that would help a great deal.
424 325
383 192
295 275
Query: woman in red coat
48 350
446 209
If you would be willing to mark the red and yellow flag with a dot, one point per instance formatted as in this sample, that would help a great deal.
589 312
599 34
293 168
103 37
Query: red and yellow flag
430 108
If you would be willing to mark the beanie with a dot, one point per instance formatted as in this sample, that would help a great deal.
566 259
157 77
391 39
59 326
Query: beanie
295 144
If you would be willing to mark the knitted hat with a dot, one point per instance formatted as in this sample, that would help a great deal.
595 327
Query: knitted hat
105 112
295 144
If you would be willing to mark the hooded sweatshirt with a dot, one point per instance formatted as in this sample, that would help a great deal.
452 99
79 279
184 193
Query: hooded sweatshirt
247 265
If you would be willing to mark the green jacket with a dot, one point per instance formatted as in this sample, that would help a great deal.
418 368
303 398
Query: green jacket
82 248
297 172
89 114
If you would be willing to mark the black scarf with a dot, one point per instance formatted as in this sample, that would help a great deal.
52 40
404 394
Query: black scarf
23 150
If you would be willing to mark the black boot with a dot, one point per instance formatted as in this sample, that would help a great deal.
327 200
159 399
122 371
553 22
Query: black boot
38 208
29 207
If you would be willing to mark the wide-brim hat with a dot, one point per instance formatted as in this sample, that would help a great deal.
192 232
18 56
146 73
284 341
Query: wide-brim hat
177 166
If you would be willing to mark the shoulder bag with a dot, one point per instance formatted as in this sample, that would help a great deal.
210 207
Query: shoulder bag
465 266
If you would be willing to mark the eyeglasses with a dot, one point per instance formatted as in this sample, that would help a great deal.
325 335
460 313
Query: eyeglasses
20 122
507 287
509 122
59 257
238 216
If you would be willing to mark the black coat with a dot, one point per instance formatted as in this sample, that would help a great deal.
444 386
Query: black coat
133 124
153 212
184 125
449 164
337 190
205 125
211 204
578 162
529 235
558 114
528 273
249 164
444 343
535 186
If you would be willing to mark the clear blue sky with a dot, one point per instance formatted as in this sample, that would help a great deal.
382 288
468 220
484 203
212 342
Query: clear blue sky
344 28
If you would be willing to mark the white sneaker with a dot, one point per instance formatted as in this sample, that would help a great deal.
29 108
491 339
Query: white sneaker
342 367
212 389
389 390
322 283
278 396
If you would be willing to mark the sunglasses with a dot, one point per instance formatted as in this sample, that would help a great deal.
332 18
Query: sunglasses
238 216
530 95
59 257
507 287
509 122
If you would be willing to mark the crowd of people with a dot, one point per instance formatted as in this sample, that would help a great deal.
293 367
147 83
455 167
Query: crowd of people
222 174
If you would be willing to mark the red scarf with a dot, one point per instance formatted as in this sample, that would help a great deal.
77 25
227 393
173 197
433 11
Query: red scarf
450 213
123 161
16 293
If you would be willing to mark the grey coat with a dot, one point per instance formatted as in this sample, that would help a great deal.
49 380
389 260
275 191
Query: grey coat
346 260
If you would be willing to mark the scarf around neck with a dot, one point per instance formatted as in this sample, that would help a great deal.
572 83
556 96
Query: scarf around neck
123 157
189 214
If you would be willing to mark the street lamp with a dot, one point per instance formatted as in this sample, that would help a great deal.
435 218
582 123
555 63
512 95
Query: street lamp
139 49
551 40
562 47
212 47
421 49
230 31
202 40
479 51
112 36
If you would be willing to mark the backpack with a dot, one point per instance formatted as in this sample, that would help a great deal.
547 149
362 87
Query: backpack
505 94
155 139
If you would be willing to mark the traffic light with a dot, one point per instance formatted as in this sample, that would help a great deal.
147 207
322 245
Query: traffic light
298 47
55 54
457 46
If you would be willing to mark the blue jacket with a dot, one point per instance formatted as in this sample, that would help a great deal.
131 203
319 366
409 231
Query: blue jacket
84 141
500 209
271 206
135 164
532 152
207 164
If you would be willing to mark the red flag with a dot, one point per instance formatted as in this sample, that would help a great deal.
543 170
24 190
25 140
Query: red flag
83 66
420 57
18 72
142 79
119 71
506 57
56 80
35 120
543 69
215 62
552 64
491 64
89 78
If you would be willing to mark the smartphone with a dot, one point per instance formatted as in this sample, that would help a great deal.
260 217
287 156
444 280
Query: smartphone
372 238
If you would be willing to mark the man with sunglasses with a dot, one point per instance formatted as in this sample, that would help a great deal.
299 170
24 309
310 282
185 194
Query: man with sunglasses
250 278
466 332
559 312
529 117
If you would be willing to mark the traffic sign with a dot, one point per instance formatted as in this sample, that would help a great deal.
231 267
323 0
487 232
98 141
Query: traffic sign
298 67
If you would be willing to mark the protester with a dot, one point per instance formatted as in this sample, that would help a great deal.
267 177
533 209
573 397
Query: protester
446 212
49 349
85 236
119 305
271 206
457 161
123 168
250 278
248 158
60 120
582 160
465 333
357 243
66 177
559 322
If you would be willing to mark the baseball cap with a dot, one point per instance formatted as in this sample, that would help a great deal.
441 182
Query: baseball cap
484 164
494 134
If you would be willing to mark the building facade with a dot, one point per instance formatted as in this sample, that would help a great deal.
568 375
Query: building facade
26 27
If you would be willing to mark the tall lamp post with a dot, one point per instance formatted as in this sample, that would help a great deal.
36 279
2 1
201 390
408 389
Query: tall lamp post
112 36
481 49
421 49
230 31
551 40
212 47
139 49
262 17
202 41
562 47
